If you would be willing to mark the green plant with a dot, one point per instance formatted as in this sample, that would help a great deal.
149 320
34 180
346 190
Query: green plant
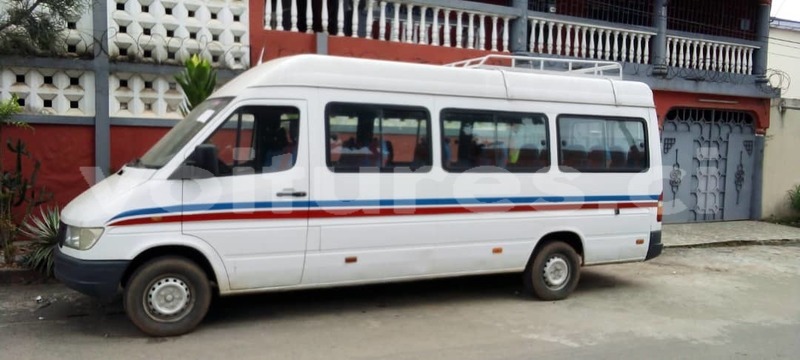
42 230
794 198
18 189
198 80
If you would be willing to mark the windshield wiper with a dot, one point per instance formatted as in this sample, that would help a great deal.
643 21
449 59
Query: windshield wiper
137 162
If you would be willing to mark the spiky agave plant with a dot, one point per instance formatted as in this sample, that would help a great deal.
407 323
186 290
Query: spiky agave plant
43 231
198 80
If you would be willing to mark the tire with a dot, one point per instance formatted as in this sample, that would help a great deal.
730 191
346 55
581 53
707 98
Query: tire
167 296
558 258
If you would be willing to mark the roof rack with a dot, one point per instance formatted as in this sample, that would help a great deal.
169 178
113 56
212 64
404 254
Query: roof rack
607 69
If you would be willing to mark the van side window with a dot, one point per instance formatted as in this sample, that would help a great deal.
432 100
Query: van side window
369 138
598 144
257 139
489 141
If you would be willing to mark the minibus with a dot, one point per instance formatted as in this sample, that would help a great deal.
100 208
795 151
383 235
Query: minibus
319 171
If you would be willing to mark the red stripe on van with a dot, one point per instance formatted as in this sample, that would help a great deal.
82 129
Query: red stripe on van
278 214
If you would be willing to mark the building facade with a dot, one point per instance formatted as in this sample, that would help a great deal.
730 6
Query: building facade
781 163
706 61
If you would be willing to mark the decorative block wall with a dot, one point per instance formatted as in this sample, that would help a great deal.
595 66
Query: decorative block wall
144 95
49 91
170 31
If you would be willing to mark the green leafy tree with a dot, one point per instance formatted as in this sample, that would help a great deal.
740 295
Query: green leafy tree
198 80
34 27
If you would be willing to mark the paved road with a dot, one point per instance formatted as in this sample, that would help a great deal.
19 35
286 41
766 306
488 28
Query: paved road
713 303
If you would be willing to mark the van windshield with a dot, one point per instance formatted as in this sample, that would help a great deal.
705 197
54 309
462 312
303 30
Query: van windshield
185 130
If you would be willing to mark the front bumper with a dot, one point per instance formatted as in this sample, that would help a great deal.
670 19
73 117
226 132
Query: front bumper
655 247
97 278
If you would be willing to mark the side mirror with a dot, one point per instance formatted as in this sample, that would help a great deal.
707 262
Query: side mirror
203 163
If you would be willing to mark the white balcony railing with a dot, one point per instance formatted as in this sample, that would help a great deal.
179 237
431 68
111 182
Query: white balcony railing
711 55
394 21
574 39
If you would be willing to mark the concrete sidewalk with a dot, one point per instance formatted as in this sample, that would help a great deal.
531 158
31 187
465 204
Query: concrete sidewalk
728 232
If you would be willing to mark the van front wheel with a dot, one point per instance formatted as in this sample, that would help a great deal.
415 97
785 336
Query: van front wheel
167 296
553 271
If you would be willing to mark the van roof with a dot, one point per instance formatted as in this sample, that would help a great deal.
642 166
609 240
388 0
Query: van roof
390 76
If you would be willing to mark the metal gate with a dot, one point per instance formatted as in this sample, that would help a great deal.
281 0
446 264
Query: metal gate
708 165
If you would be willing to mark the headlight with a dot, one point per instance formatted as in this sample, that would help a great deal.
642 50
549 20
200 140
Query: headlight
82 238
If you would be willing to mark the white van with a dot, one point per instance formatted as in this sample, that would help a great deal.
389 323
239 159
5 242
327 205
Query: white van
317 171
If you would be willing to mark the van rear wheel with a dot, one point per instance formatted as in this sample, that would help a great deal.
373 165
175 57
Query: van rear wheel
553 271
167 296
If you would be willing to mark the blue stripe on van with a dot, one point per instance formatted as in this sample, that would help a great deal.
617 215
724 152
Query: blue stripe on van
379 202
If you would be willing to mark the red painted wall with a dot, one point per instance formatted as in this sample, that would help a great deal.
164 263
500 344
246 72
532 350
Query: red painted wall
62 150
130 142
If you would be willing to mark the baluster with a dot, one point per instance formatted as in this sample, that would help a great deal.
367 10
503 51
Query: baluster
584 31
309 17
714 57
268 15
728 67
607 49
446 30
505 34
395 36
294 15
669 52
739 60
382 22
532 45
615 54
354 19
325 16
682 47
459 35
568 42
540 46
703 55
591 43
279 15
368 25
435 29
647 49
559 27
694 54
471 33
632 47
749 61
423 29
673 59
550 37
600 33
624 53
340 19
482 35
639 48
494 33
409 23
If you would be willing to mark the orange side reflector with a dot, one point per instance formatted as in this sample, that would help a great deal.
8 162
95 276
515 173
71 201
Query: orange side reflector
660 211
350 259
639 241
497 250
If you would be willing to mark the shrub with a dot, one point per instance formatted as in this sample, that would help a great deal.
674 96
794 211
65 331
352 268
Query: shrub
43 232
794 198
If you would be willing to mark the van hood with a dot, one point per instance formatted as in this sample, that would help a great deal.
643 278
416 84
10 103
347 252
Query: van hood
95 206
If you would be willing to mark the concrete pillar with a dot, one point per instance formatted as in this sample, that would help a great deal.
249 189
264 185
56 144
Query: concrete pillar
659 46
518 38
102 122
762 36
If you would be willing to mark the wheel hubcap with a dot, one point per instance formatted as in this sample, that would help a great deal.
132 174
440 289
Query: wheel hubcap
168 299
556 273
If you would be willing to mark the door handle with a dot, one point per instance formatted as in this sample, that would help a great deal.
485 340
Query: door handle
291 193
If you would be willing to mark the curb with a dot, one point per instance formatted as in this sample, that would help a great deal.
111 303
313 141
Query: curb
734 243
21 277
